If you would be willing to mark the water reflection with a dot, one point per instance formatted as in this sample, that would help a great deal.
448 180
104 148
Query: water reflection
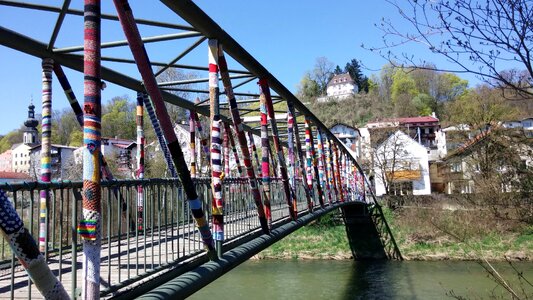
273 279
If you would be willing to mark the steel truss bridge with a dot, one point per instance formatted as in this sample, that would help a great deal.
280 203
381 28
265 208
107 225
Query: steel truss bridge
164 236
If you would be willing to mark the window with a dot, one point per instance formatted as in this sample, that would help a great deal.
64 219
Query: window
456 167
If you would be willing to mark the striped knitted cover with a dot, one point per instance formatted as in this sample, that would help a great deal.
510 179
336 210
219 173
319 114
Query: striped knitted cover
265 160
308 155
308 192
46 148
321 164
315 169
143 64
140 161
237 123
225 147
192 145
90 226
336 156
263 83
333 170
329 170
234 149
291 168
253 149
75 105
216 163
25 249
160 137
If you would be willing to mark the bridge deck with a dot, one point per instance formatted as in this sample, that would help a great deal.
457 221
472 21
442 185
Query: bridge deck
126 258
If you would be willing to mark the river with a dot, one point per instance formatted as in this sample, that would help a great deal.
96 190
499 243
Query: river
325 279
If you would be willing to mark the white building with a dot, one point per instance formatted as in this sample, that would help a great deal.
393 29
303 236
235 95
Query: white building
401 166
20 158
526 125
349 136
121 151
62 158
341 86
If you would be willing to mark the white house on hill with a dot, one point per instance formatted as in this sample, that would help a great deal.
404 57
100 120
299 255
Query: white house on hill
341 86
401 166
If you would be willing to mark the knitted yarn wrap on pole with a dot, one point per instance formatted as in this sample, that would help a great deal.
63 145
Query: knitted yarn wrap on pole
140 162
90 226
25 249
265 162
216 151
46 150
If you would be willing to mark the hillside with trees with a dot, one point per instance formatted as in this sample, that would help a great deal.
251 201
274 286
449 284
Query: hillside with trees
404 92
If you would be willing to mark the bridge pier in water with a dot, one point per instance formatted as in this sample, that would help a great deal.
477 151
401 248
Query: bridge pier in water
362 233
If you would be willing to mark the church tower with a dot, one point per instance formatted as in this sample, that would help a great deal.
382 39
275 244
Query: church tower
31 135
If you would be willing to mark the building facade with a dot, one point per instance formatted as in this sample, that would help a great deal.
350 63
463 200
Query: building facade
401 167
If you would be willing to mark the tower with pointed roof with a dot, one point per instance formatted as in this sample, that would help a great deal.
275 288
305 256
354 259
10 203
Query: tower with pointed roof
31 135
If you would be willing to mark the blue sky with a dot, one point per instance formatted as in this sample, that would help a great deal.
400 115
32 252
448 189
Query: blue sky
285 36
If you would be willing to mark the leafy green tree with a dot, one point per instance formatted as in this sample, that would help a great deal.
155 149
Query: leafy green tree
479 107
8 140
308 89
118 119
64 122
424 104
402 84
76 138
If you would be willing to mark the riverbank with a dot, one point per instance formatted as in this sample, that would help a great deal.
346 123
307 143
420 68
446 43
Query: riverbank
422 233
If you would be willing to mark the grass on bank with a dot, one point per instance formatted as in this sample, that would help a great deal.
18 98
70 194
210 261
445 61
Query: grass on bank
322 239
422 233
425 233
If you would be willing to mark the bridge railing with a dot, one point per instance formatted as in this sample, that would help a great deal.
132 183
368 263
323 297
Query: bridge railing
134 245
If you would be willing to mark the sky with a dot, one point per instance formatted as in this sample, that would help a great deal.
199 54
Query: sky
286 37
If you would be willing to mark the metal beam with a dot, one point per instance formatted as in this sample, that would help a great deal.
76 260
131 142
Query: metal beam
77 12
35 48
198 80
181 55
152 39
162 64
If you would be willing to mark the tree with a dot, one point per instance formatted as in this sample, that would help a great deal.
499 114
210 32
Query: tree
479 107
479 37
354 69
177 114
308 89
11 138
118 119
337 70
322 73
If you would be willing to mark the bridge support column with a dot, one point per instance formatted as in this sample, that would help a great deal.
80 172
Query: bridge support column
362 233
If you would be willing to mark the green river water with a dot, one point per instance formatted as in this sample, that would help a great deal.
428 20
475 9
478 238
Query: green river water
325 279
